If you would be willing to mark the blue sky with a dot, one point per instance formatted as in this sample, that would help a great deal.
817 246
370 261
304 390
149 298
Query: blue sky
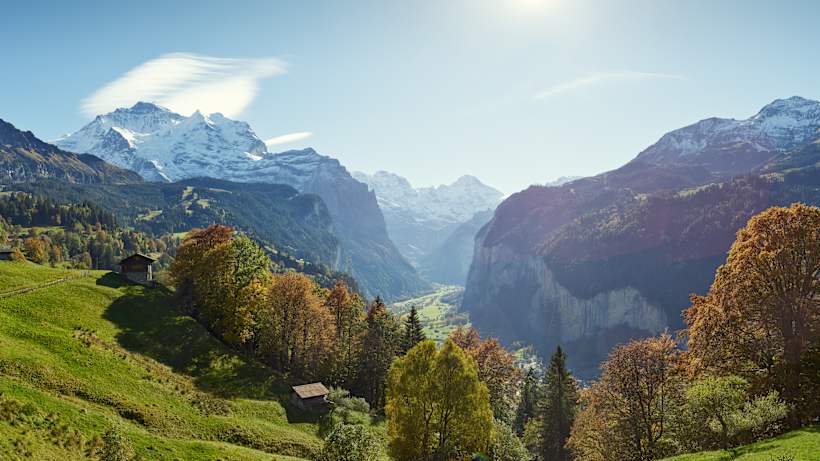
515 92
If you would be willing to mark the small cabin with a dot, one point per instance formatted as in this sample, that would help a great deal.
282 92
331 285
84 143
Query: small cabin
6 254
137 268
310 397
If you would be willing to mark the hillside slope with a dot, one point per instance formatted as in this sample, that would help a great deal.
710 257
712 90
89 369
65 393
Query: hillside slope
799 445
83 355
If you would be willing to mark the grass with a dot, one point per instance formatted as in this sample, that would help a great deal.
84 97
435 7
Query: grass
438 312
799 445
26 274
81 356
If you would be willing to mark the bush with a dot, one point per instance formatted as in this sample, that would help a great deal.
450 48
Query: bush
507 446
116 446
350 443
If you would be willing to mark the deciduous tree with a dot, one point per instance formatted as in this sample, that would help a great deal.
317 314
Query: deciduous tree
762 313
437 408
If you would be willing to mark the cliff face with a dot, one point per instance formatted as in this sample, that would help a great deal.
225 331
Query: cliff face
604 259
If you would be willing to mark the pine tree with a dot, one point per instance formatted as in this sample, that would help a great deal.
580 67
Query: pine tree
381 344
413 332
528 405
557 408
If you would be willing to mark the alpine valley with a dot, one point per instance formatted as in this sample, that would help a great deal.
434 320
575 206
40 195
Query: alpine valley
599 260
434 227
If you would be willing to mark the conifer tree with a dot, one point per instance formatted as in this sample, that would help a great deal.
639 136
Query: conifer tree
413 332
557 408
528 405
381 344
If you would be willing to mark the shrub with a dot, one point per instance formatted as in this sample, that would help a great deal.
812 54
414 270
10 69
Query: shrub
507 446
348 442
116 446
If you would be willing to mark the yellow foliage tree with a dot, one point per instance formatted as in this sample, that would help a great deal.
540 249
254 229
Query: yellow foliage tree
437 408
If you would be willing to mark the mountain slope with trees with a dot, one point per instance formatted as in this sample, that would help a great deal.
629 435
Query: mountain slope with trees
600 260
23 158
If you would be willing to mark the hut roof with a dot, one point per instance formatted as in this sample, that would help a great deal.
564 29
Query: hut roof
308 391
138 256
6 250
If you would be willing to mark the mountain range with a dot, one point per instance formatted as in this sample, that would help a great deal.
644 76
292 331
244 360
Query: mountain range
165 146
599 260
24 157
420 220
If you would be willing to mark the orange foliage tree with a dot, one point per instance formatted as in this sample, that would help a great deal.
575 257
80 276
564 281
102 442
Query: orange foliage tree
762 314
496 369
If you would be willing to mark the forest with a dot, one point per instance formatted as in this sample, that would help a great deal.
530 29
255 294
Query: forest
746 367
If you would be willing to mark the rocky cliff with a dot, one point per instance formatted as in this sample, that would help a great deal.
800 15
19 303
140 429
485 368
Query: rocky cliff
603 259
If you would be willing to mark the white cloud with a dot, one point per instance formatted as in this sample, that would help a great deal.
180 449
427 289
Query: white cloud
186 82
288 138
602 77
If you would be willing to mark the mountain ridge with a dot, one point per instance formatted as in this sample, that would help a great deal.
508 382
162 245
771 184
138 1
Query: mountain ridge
614 256
165 146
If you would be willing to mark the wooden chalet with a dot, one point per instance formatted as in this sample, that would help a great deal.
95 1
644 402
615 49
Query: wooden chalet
310 397
6 254
137 268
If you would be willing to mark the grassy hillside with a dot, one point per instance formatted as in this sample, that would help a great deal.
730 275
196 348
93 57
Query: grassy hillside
80 356
800 445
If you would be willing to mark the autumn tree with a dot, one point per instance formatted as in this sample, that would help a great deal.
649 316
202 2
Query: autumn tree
380 345
190 259
413 331
348 317
627 412
557 408
437 408
762 313
35 250
496 369
296 329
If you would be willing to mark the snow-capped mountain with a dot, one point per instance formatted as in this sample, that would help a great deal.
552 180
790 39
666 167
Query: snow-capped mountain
419 220
445 204
729 146
164 146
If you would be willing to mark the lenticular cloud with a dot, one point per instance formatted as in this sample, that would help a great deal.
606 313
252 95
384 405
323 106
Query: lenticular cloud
185 83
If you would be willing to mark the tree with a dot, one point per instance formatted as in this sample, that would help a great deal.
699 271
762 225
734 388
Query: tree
626 415
762 313
721 402
507 446
381 344
348 317
348 442
413 332
496 369
557 408
35 250
296 329
528 402
437 408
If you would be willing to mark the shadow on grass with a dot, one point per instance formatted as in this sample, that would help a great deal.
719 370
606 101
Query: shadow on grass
151 325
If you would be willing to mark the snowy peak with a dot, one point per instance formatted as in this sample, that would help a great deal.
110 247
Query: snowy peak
163 145
729 146
444 204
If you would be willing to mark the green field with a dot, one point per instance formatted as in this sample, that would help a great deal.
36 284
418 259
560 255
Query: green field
800 445
83 355
438 311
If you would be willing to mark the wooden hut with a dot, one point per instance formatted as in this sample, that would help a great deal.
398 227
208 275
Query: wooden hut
137 268
310 397
6 254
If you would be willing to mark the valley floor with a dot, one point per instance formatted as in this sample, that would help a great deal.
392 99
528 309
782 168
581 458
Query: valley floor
92 352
